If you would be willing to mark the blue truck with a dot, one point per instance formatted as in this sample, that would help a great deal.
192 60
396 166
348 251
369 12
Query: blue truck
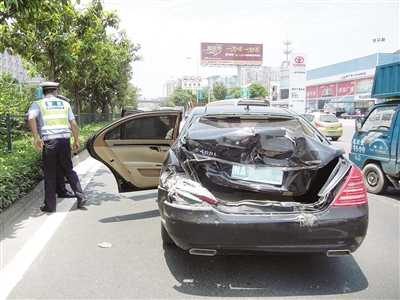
375 146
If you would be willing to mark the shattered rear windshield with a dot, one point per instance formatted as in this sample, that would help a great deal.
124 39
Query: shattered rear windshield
256 122
255 139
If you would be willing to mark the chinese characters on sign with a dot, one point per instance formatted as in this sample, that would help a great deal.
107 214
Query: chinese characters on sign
192 82
231 54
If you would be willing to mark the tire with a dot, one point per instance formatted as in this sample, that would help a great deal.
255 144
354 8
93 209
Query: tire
334 138
374 178
165 236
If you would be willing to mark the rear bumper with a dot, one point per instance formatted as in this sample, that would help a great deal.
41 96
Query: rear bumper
331 133
336 228
342 228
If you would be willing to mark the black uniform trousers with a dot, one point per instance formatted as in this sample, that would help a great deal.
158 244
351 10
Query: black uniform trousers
57 152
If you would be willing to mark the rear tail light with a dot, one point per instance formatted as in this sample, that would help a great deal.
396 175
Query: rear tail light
353 192
340 125
318 124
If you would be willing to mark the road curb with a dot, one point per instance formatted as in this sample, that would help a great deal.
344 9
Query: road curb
11 213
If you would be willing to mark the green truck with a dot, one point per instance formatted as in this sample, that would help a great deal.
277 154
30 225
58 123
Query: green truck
375 146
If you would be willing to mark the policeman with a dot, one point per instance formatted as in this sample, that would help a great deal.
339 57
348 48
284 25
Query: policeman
56 121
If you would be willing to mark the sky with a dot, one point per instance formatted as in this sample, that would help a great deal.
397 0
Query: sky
329 32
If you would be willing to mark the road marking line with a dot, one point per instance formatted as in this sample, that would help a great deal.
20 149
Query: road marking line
11 274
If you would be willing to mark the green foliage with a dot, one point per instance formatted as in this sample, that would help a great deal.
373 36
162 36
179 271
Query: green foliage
219 90
27 11
21 168
70 46
15 99
205 95
257 91
235 92
180 97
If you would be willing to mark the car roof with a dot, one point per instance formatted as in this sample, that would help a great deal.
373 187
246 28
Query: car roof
395 102
318 114
239 101
250 109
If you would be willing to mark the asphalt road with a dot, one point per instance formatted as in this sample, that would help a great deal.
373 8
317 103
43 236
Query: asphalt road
58 256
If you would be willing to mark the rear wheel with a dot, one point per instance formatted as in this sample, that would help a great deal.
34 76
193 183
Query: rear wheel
374 178
334 138
165 236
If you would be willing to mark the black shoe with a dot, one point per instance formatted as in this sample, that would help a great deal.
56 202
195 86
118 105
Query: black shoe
81 202
67 194
45 209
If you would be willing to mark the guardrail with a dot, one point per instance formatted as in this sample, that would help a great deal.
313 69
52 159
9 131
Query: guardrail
14 125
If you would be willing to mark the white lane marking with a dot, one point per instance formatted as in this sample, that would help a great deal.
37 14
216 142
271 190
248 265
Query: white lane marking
11 274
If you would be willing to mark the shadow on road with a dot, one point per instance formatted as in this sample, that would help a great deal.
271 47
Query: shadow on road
132 217
263 276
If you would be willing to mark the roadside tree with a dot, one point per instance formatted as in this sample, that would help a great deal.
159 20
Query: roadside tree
27 11
235 92
73 48
180 98
257 91
219 90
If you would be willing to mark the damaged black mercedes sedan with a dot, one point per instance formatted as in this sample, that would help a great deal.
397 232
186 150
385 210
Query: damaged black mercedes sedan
239 180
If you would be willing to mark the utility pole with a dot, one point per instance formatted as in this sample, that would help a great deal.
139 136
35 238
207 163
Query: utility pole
378 41
287 51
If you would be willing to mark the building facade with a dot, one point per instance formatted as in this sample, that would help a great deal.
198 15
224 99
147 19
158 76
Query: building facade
345 85
169 86
13 64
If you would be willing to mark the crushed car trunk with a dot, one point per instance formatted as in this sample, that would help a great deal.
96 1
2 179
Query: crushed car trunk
250 158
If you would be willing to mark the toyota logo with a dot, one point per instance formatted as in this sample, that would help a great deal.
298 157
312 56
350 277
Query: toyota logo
299 59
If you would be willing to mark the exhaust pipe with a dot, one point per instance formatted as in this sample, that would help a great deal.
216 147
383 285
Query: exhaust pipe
204 252
336 253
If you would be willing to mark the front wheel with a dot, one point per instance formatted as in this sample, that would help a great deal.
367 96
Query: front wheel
374 178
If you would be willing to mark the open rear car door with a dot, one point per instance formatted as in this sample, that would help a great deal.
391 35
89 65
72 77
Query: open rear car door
134 147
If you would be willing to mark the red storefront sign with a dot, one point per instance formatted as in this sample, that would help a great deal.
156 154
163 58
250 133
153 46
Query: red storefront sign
311 92
345 88
327 90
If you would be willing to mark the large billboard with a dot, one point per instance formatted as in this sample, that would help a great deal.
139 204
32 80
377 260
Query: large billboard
231 54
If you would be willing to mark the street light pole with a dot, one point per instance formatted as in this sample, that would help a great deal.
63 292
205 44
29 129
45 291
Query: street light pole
197 65
378 41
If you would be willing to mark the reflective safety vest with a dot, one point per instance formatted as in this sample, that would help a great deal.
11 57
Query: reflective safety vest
55 113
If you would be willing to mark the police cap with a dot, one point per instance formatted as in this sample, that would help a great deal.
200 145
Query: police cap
48 85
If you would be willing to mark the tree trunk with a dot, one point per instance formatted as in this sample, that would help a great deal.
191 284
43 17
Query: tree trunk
52 67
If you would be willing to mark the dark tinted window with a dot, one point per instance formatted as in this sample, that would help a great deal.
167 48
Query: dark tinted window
151 127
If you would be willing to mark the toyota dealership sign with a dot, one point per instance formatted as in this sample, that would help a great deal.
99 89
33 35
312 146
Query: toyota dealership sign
297 82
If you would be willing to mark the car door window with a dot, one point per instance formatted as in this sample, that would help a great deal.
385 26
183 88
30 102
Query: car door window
145 128
380 119
308 117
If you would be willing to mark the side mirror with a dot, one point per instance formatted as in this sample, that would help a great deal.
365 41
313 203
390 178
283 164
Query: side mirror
358 123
